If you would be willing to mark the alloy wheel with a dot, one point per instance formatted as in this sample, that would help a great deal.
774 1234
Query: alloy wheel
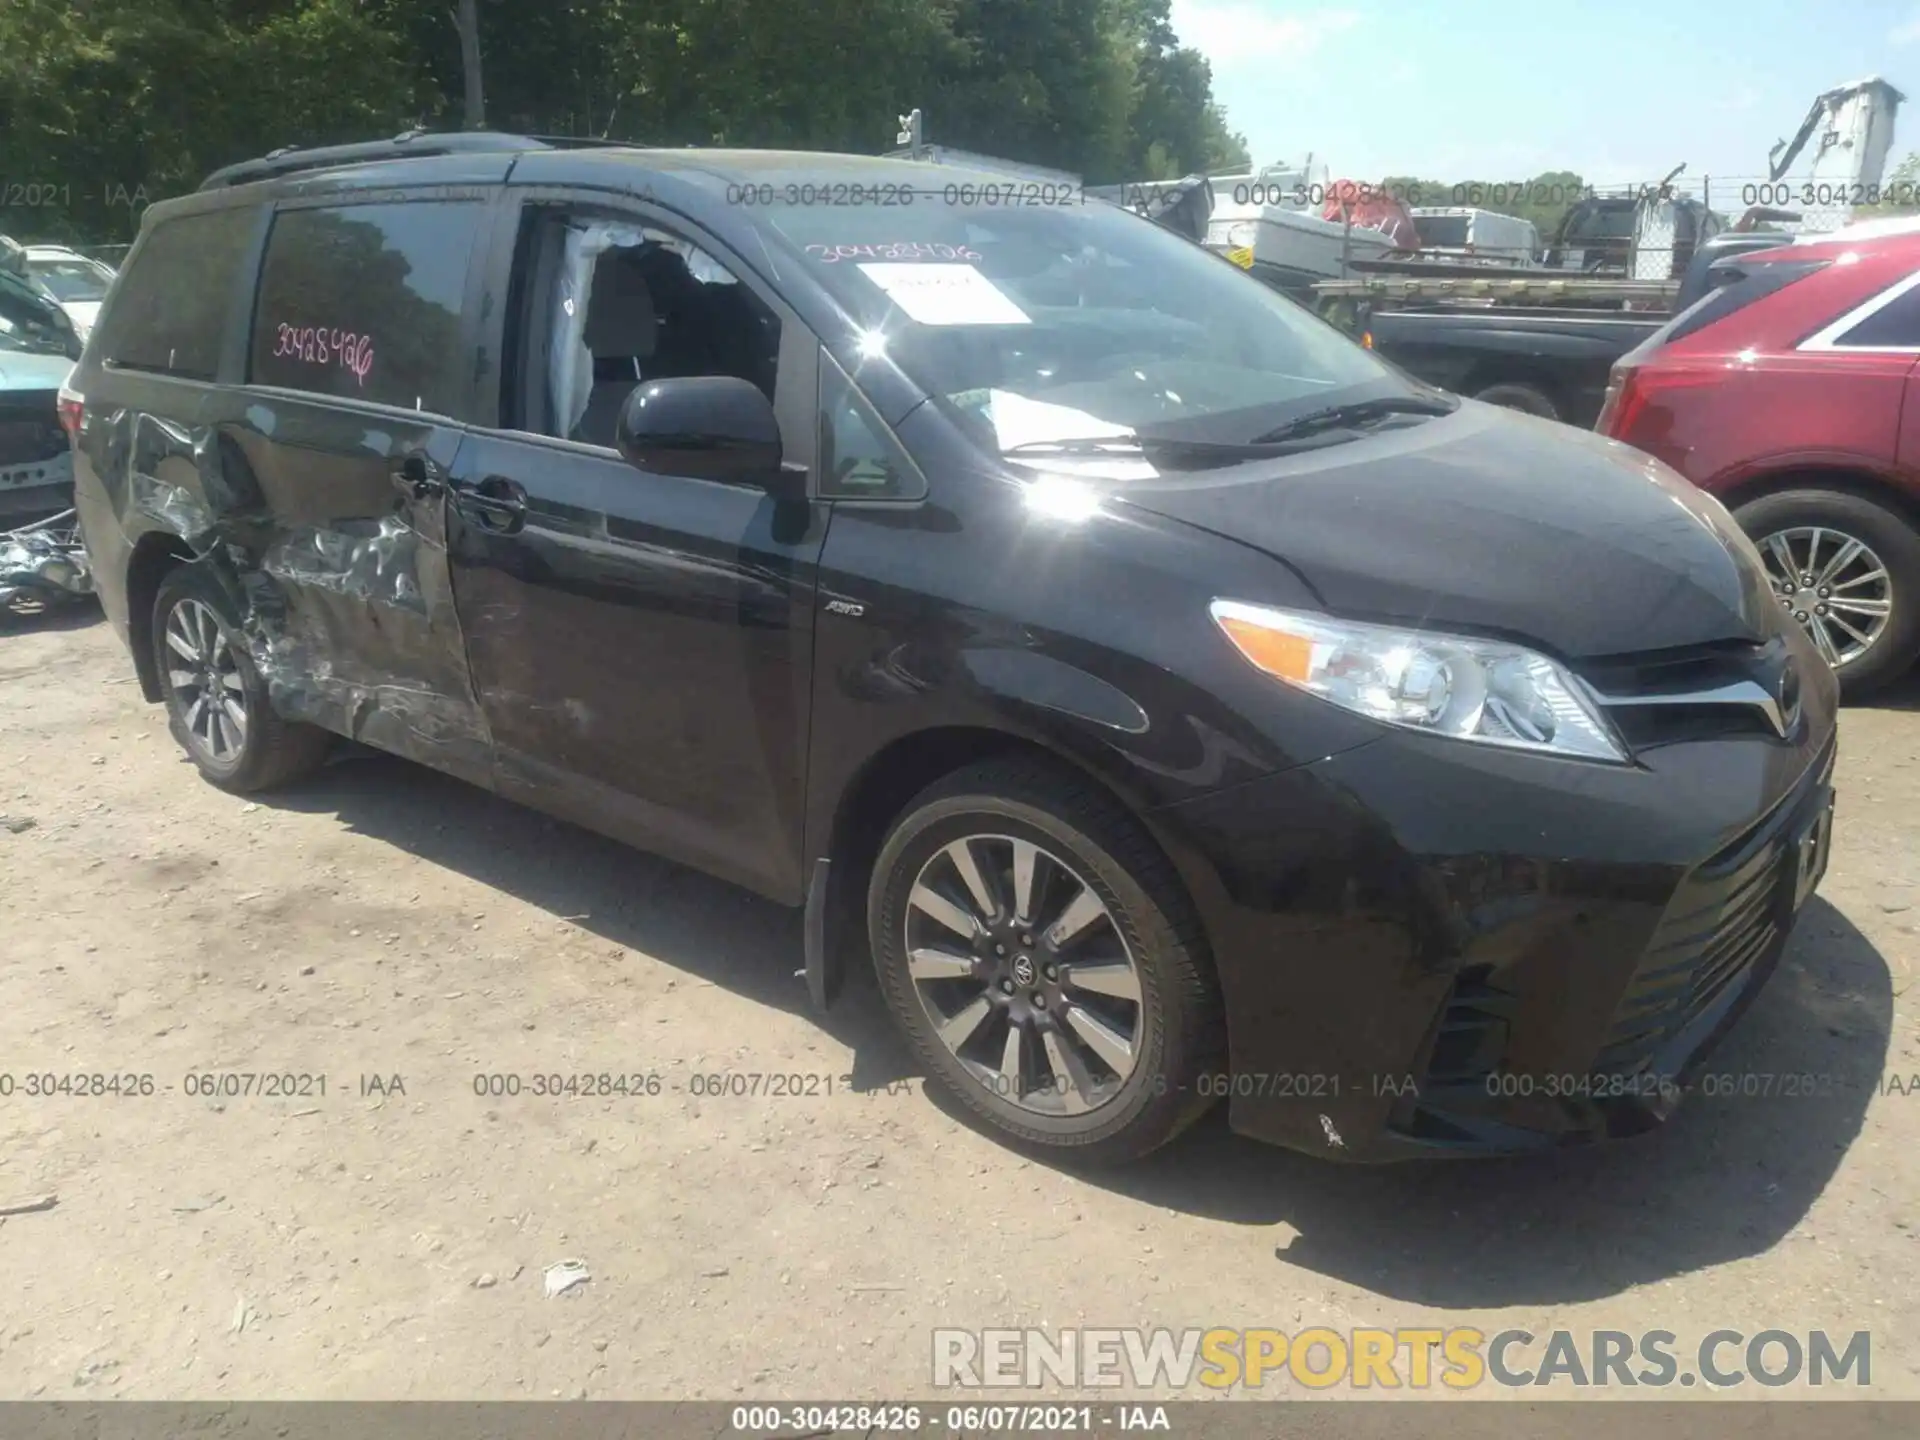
1834 585
1024 974
206 682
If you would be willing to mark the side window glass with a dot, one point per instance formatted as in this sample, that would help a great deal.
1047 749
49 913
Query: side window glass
633 304
1895 325
363 302
170 312
859 458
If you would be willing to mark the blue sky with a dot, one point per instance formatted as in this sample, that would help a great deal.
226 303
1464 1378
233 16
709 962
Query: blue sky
1618 90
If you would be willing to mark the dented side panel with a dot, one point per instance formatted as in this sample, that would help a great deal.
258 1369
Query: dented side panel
643 650
341 552
320 510
334 559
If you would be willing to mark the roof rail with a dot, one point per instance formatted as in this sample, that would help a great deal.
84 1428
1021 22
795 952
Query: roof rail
408 144
584 142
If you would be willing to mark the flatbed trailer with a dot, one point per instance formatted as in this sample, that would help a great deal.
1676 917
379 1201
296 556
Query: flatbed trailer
1414 281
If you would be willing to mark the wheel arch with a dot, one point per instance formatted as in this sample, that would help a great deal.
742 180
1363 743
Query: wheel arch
880 790
1858 481
155 555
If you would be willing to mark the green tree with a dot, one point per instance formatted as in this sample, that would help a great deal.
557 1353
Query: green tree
107 103
119 101
1046 81
1174 127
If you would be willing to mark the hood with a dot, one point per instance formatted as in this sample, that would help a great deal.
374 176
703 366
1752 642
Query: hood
1487 521
27 370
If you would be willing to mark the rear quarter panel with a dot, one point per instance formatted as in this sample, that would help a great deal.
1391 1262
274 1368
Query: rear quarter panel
1730 420
1739 401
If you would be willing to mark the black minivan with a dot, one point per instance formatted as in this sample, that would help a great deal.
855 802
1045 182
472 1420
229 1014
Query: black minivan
1181 702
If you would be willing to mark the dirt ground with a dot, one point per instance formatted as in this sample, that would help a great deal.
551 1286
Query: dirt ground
381 921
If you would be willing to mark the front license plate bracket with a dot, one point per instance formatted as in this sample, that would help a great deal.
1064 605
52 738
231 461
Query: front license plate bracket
1811 848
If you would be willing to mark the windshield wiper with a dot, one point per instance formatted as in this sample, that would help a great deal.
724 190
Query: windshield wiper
1360 412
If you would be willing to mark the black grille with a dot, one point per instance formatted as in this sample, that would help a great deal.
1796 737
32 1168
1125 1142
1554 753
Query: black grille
1717 927
1640 691
1473 1030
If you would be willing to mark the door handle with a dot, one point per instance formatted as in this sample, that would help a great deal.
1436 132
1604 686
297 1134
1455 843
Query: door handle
497 505
417 477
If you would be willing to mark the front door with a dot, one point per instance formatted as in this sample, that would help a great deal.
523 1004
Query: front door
345 434
641 644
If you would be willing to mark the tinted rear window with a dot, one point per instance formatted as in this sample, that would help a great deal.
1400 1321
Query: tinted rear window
1735 287
1895 325
363 302
170 313
1441 229
1615 222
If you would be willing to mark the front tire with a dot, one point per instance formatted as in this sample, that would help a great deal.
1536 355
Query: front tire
217 704
1045 963
1849 571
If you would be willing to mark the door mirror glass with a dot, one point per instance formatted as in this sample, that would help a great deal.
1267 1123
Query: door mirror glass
709 427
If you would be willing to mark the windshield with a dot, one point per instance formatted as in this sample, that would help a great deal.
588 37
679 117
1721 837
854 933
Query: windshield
1603 222
71 279
1040 323
30 323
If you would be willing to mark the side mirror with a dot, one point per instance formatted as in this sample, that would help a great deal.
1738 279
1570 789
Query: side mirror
708 427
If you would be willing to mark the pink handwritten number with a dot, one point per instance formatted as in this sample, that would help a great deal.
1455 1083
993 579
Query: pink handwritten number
316 345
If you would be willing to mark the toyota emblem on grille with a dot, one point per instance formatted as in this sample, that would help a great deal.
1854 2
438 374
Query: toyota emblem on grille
1787 716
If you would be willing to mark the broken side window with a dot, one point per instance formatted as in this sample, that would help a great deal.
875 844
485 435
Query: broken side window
632 303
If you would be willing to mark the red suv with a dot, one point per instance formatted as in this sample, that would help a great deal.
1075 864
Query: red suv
1788 391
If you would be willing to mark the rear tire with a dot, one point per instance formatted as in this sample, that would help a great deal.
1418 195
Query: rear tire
1103 973
1783 525
1527 399
217 704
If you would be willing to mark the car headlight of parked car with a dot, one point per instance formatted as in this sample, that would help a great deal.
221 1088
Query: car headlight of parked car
1455 685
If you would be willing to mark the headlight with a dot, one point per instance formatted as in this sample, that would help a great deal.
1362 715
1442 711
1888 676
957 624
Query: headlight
1483 690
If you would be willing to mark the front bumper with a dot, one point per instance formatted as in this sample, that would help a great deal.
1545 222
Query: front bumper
1429 948
33 490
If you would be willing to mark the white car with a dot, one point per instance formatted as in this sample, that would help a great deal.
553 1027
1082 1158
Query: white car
77 282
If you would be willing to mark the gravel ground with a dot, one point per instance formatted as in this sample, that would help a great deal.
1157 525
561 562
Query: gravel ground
382 924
